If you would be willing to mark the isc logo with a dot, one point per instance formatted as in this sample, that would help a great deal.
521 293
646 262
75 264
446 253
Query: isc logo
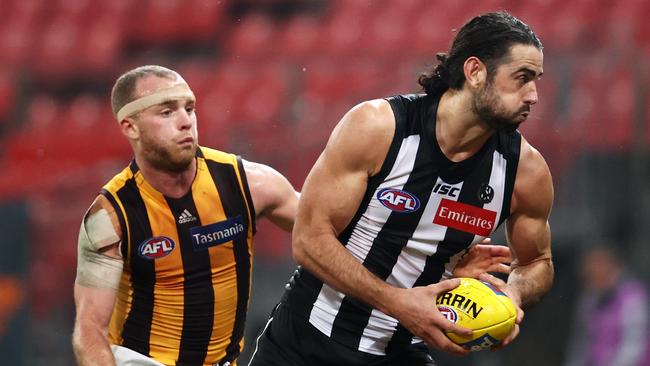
398 200
446 189
156 247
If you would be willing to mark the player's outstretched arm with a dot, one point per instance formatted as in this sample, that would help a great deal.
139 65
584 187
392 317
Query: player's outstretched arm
330 197
99 267
273 195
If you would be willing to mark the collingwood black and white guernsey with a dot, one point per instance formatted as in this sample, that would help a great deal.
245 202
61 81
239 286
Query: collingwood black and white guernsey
419 215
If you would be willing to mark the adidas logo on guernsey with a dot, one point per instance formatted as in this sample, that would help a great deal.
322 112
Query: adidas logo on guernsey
186 217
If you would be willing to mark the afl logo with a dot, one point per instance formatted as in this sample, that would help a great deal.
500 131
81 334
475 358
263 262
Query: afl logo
448 313
485 193
156 247
398 200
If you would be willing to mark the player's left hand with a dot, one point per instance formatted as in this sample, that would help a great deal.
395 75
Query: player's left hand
516 300
483 258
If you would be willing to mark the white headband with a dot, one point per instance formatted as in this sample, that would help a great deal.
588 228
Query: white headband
178 91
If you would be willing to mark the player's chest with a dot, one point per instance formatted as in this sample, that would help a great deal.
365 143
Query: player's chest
433 211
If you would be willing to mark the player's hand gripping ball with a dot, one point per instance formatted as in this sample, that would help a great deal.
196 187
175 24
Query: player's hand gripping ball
478 306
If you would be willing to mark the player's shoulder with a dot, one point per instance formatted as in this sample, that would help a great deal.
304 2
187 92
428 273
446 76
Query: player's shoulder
531 161
267 186
100 202
101 206
363 136
119 180
534 183
259 172
368 121
101 224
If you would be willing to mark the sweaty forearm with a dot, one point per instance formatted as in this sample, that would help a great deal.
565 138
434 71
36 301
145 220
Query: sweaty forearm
532 280
328 260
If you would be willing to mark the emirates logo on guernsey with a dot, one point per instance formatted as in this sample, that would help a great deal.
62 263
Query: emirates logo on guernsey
464 217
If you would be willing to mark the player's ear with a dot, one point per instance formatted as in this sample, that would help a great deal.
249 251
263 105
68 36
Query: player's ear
130 128
475 72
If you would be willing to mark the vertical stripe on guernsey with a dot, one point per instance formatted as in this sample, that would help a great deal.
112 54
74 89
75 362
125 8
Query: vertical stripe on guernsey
223 267
187 305
198 298
137 326
224 176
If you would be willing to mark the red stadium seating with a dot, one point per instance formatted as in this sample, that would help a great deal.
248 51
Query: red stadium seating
272 87
100 46
602 105
298 39
252 38
8 88
60 39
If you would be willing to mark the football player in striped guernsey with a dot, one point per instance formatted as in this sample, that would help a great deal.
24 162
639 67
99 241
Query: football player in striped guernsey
165 250
405 186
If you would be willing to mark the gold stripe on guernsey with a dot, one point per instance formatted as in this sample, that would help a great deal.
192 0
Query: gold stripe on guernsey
222 261
122 305
168 304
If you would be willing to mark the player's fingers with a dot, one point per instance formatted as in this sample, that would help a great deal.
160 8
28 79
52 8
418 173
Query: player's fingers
497 253
511 337
520 316
500 259
451 327
500 251
500 268
494 281
507 340
488 249
485 241
442 342
446 285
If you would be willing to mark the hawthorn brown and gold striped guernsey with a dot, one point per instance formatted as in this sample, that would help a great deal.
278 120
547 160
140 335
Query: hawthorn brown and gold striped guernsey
184 291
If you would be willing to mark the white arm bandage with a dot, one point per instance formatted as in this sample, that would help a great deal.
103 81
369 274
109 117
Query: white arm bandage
95 268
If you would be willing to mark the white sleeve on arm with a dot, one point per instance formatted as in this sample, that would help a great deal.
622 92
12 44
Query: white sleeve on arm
94 267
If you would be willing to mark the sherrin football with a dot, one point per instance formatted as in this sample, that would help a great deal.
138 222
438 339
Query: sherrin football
478 306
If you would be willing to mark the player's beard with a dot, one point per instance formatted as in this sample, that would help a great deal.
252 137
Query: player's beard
164 158
488 107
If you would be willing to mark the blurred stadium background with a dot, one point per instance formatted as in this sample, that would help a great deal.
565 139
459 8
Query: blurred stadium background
272 77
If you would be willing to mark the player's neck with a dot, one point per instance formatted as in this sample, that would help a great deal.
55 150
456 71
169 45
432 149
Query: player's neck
460 133
170 184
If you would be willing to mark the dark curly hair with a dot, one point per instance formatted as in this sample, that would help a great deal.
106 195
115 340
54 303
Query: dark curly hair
487 37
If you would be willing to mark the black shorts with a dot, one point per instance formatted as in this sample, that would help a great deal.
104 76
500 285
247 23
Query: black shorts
290 341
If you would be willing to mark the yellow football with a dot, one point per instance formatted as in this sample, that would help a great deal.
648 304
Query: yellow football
481 307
